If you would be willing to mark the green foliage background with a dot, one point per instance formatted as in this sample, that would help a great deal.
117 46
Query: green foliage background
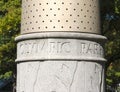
10 16
110 18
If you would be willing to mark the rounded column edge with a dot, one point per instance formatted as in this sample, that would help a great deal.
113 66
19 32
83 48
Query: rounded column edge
66 35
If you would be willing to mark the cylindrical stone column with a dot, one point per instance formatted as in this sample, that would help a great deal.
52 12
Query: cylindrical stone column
60 48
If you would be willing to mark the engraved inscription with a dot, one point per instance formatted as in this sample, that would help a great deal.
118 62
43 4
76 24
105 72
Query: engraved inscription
90 48
59 47
27 48
31 47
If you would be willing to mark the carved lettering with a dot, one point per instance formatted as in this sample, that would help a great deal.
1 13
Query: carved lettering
65 47
96 50
52 47
59 47
101 51
41 46
91 48
31 47
83 47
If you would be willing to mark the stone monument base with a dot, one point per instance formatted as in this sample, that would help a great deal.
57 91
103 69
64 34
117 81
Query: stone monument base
60 62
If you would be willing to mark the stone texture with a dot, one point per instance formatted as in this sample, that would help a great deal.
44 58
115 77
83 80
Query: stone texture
55 63
63 76
41 49
60 47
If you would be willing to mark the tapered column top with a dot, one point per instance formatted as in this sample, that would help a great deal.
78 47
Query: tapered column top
60 15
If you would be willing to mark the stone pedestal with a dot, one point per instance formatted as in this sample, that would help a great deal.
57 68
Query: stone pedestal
60 62
60 48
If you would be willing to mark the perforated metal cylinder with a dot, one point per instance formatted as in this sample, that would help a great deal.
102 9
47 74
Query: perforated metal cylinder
60 15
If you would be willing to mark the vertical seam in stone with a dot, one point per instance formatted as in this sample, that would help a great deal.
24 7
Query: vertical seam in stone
84 77
36 77
101 80
61 81
73 76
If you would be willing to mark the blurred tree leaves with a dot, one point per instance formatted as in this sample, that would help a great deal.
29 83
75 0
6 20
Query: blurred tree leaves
10 14
110 24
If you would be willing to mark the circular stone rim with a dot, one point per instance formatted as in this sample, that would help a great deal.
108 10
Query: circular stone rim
66 35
